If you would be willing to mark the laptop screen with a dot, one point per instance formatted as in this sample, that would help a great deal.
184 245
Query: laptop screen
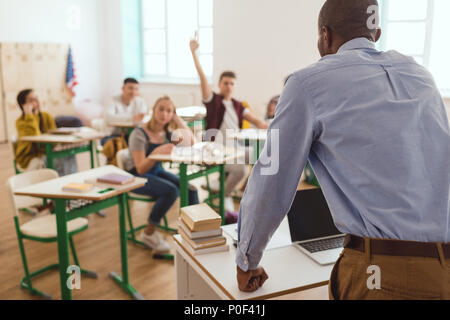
309 217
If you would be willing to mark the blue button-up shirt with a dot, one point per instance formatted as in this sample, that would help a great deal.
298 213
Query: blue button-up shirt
374 127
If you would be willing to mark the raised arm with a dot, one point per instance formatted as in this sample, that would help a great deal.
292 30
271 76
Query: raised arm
27 125
254 120
206 88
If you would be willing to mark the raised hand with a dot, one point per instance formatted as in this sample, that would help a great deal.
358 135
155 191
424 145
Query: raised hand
194 44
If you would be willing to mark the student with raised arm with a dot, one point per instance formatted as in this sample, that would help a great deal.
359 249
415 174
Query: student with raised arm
156 137
224 112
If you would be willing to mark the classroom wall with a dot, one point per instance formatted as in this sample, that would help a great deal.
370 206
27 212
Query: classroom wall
262 50
46 21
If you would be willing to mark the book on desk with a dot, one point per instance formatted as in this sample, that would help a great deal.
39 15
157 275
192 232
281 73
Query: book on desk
200 230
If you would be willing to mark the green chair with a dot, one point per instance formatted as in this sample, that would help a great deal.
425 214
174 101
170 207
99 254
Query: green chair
122 157
41 229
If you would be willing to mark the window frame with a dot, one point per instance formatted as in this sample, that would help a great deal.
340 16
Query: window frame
166 78
428 20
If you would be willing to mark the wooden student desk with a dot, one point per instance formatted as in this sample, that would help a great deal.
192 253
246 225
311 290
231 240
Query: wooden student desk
78 142
104 196
211 165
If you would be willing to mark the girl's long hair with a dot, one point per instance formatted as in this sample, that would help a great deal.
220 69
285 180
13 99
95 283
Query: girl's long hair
22 99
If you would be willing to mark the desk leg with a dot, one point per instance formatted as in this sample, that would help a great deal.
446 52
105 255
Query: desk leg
258 150
184 186
49 154
63 247
123 281
222 193
92 148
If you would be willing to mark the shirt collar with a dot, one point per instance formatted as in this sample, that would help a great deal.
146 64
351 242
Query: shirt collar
358 43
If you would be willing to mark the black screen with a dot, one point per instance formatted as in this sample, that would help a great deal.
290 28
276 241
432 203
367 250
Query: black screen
310 217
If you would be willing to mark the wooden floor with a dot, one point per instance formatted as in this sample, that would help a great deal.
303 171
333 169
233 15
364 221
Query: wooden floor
98 250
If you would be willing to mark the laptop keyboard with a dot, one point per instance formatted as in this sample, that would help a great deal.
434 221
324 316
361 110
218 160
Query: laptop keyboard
322 245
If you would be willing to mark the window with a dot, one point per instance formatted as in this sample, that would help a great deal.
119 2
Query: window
167 26
417 28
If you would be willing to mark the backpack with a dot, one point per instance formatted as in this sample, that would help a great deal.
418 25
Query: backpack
111 147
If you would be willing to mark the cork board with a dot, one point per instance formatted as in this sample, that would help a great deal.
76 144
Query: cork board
41 66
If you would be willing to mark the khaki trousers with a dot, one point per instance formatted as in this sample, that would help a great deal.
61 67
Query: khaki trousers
401 278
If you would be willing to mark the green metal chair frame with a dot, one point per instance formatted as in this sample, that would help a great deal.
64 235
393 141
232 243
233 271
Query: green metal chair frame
26 281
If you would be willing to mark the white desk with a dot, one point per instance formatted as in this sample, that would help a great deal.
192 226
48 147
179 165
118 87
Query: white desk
192 113
213 276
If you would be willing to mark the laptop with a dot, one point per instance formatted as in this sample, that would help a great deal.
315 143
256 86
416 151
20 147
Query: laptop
312 227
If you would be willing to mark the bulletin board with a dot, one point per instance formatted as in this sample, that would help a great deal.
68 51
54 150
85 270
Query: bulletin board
40 66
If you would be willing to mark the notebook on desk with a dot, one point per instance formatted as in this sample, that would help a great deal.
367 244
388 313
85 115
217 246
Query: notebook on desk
116 179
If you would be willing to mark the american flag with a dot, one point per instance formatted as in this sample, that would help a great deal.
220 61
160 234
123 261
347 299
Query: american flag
71 78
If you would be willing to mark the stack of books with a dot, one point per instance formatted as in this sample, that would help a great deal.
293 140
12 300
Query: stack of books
199 227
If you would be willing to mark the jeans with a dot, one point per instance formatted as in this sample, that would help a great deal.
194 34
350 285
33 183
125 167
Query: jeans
164 186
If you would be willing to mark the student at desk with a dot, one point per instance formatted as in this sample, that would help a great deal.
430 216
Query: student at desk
127 107
225 113
152 138
30 156
374 127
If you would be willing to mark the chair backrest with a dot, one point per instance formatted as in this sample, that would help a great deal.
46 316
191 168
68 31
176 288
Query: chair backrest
122 156
26 179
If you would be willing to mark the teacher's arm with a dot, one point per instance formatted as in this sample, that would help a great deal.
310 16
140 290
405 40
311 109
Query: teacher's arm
289 143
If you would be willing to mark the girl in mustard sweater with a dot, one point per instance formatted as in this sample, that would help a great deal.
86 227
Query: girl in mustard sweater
30 156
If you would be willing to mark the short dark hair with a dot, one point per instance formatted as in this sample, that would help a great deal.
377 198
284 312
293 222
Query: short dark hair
348 18
130 80
227 74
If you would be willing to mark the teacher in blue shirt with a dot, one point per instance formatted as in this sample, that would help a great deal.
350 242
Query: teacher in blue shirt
374 128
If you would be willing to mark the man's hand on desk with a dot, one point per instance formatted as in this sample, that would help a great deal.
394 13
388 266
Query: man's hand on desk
251 280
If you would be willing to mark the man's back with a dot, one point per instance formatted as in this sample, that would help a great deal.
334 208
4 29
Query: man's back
381 147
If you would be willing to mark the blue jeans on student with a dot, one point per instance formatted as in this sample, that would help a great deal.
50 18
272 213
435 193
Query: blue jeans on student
164 186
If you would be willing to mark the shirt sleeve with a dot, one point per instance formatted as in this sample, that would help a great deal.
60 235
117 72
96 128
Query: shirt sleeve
27 126
277 173
210 98
136 142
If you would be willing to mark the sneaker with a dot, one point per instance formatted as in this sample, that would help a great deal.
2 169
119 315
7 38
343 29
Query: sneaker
229 204
155 242
231 217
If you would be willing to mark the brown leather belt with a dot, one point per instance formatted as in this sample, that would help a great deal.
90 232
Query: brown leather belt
397 247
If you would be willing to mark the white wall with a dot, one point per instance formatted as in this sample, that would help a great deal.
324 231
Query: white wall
46 21
262 40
